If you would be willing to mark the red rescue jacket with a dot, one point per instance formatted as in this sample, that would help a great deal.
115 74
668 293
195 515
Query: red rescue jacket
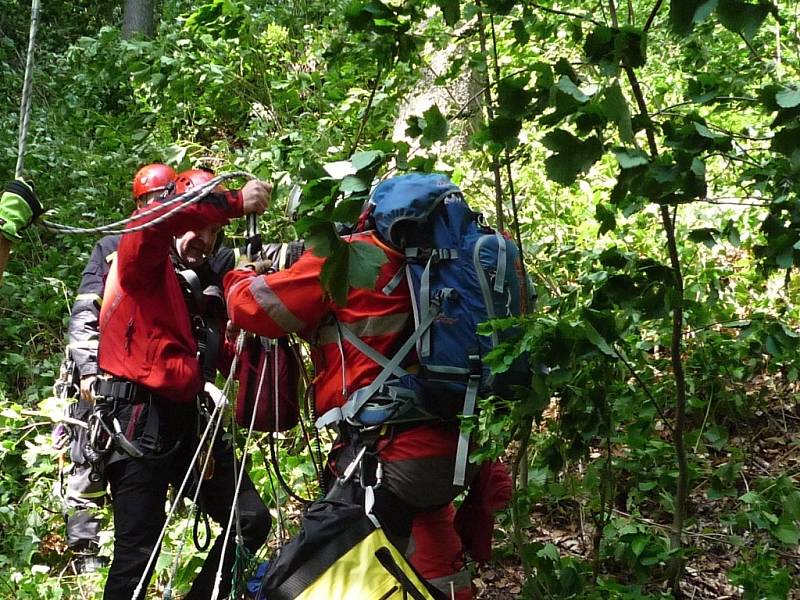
293 301
145 326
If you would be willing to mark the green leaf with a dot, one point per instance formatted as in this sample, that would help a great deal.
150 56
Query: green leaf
684 14
566 85
704 235
638 544
365 261
512 97
751 498
414 128
599 48
571 157
435 129
353 184
322 239
616 109
334 274
630 46
521 35
348 211
787 532
362 160
500 7
550 551
597 340
742 17
451 10
504 130
786 141
606 216
629 158
788 98
707 133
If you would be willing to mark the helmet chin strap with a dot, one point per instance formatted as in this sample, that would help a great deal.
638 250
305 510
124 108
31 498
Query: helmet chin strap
181 262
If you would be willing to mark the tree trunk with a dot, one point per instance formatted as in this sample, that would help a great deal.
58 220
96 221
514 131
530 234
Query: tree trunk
138 19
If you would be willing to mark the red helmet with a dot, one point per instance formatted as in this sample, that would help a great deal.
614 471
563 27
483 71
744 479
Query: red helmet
152 178
193 178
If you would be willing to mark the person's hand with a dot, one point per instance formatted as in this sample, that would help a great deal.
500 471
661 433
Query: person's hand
19 207
259 267
256 196
232 331
86 387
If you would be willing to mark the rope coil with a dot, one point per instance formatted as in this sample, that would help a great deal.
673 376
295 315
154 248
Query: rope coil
182 201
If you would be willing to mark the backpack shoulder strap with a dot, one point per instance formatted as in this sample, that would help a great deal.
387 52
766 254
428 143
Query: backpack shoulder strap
359 398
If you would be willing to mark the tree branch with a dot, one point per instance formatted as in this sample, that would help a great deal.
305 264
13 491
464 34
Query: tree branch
668 223
644 387
651 17
564 13
498 185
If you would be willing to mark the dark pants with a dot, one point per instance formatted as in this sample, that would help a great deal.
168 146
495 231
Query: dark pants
139 490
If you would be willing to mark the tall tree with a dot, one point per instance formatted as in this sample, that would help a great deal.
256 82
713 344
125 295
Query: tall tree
138 18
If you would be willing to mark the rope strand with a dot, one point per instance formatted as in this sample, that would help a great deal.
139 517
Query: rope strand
235 503
27 87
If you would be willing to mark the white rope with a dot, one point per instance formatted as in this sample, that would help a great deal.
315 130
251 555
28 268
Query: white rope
206 461
216 420
183 201
240 475
27 87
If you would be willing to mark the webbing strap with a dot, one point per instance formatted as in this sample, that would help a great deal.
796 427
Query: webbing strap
366 349
192 285
394 282
462 450
95 298
500 278
425 307
354 404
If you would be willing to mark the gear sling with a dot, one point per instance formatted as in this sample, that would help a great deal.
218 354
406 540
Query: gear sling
460 273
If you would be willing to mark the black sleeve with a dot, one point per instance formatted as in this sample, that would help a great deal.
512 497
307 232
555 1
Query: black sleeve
83 331
221 262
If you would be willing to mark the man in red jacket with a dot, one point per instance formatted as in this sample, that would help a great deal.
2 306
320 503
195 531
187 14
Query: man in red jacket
84 490
417 459
148 347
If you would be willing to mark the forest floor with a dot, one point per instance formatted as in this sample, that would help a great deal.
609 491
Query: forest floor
771 446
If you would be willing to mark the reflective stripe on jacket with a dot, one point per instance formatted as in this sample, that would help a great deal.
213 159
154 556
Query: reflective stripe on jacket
145 327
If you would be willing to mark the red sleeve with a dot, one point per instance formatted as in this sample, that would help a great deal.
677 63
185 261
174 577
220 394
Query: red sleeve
141 254
227 349
274 305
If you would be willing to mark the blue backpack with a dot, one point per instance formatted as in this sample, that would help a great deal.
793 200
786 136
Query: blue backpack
460 273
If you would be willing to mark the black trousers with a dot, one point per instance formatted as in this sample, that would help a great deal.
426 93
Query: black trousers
139 490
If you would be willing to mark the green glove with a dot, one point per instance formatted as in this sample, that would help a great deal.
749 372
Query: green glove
19 207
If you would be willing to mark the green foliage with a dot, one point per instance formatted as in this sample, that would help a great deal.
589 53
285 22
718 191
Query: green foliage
761 577
308 93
